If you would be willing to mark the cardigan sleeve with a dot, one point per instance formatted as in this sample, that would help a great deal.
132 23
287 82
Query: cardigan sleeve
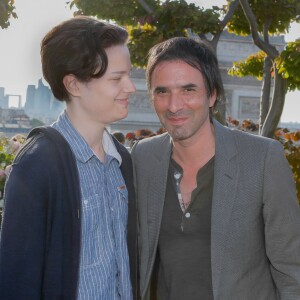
23 232
41 229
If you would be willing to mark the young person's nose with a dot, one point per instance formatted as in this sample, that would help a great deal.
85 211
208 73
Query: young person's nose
129 86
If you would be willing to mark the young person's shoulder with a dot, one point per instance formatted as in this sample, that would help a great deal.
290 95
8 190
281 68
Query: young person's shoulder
42 143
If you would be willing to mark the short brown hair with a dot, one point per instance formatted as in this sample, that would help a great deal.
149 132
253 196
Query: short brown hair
77 46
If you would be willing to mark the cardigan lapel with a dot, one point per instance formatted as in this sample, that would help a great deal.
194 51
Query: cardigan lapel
225 185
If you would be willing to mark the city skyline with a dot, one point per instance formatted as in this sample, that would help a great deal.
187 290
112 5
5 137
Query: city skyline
20 57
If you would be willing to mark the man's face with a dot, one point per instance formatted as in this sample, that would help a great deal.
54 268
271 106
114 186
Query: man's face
180 99
105 99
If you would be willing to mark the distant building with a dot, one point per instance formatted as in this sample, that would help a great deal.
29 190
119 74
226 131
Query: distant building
41 104
4 99
14 121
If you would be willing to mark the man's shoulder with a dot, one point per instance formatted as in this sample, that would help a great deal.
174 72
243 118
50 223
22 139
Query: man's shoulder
152 146
255 139
241 135
153 142
249 144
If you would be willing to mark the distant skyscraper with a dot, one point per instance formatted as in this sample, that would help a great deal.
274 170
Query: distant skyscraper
4 99
41 104
42 98
29 104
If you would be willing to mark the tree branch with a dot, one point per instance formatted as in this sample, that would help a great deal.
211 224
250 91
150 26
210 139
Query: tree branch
232 7
266 90
266 27
276 108
266 47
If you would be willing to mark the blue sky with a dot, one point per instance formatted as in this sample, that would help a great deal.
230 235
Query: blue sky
20 45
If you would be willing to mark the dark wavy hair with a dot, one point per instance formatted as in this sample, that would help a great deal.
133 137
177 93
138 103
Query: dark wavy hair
77 46
198 54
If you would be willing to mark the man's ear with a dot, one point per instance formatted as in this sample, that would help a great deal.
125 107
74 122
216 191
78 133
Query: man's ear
212 98
71 84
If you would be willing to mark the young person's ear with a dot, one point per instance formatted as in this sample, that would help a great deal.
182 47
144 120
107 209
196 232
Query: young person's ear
71 84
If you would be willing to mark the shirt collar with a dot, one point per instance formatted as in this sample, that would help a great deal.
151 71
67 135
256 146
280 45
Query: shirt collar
109 147
79 146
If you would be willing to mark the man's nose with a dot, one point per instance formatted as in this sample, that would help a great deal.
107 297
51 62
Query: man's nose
176 102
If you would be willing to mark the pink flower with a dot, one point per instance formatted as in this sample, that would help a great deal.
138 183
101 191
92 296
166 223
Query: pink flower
2 174
15 146
7 170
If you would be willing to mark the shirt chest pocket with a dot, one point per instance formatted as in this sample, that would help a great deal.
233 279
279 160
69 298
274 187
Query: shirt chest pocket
93 211
122 204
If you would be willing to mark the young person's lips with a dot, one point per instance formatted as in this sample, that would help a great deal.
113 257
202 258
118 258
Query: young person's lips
123 101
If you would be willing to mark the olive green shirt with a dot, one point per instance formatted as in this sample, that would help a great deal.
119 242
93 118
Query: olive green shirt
184 252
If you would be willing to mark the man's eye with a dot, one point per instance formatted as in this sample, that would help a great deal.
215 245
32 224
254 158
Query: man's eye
189 90
160 92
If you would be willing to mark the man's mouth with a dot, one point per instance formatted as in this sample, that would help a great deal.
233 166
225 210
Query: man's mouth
177 120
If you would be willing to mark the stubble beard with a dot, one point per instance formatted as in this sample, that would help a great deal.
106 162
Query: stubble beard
178 133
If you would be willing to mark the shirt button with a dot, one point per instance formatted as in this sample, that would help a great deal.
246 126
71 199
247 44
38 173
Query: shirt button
85 202
187 215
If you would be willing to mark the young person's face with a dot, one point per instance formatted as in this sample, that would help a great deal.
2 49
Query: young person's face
180 99
105 99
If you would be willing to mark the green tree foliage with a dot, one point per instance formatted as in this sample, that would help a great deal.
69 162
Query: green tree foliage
123 12
251 66
288 64
276 14
7 10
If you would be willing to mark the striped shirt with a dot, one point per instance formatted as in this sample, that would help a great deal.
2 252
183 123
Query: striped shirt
104 263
